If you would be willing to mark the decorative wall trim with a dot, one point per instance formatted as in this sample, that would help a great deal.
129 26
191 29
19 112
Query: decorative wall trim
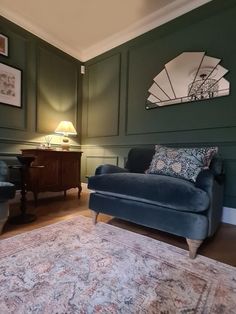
14 141
118 56
183 130
8 154
9 123
116 158
43 53
132 133
229 215
91 146
31 143
14 128
101 156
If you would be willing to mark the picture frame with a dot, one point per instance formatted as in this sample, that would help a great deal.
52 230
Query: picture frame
3 45
10 85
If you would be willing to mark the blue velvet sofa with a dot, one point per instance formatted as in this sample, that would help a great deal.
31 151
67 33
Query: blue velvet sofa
174 205
7 191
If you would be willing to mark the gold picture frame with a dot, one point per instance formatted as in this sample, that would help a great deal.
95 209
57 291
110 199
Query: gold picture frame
3 45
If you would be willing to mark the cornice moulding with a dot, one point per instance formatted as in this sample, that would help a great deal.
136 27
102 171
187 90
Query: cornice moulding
157 18
37 31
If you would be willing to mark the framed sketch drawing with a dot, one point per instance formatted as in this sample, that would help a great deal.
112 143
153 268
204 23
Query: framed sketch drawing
3 45
10 85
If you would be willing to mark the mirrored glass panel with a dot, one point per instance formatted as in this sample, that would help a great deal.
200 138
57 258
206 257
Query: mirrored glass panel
191 76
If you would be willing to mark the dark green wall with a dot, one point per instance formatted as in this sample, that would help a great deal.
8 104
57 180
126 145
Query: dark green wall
51 92
113 116
115 92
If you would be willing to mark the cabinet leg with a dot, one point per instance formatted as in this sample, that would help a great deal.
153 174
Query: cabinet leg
35 199
79 191
64 193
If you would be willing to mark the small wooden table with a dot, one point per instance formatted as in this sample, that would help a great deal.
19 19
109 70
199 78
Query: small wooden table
24 167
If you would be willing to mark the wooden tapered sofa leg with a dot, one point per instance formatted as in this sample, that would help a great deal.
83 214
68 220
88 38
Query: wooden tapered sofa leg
94 216
193 247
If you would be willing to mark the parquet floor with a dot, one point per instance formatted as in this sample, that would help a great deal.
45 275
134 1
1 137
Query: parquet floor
221 247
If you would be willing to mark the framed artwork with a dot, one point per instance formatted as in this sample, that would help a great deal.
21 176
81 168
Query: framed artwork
10 85
3 45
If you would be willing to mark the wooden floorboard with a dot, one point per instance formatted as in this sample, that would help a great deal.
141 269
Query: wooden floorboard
220 247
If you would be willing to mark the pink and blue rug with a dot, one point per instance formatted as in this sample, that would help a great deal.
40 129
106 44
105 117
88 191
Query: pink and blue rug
75 267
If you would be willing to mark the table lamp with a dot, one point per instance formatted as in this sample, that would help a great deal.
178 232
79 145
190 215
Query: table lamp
66 128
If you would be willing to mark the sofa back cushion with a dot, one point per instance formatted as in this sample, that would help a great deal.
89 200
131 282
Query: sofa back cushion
139 159
185 163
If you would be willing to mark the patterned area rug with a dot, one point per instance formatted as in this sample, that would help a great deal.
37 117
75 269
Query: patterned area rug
75 267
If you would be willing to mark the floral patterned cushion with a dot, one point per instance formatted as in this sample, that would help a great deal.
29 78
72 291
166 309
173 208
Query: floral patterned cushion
183 163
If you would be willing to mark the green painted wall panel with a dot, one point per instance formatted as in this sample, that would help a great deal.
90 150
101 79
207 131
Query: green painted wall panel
10 116
115 120
92 162
56 90
103 97
18 128
209 28
145 63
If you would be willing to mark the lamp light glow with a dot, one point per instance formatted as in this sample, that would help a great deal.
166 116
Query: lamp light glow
65 128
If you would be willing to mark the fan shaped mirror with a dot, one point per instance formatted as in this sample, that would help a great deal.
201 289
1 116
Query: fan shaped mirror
191 76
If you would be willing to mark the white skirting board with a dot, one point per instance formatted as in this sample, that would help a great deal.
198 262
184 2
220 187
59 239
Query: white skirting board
229 215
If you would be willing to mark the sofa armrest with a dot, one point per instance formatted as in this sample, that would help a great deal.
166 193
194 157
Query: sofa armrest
213 184
217 168
4 174
106 169
206 178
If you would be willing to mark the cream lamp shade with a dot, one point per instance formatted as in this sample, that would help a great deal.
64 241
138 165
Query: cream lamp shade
66 128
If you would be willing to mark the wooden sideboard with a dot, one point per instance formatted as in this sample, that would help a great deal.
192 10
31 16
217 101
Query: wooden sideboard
61 171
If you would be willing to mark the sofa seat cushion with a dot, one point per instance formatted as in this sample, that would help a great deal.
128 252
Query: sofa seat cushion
164 191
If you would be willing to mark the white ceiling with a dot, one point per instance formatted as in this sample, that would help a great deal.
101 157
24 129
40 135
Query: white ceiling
86 28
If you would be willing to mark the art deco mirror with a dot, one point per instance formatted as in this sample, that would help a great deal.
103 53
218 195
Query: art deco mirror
191 76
